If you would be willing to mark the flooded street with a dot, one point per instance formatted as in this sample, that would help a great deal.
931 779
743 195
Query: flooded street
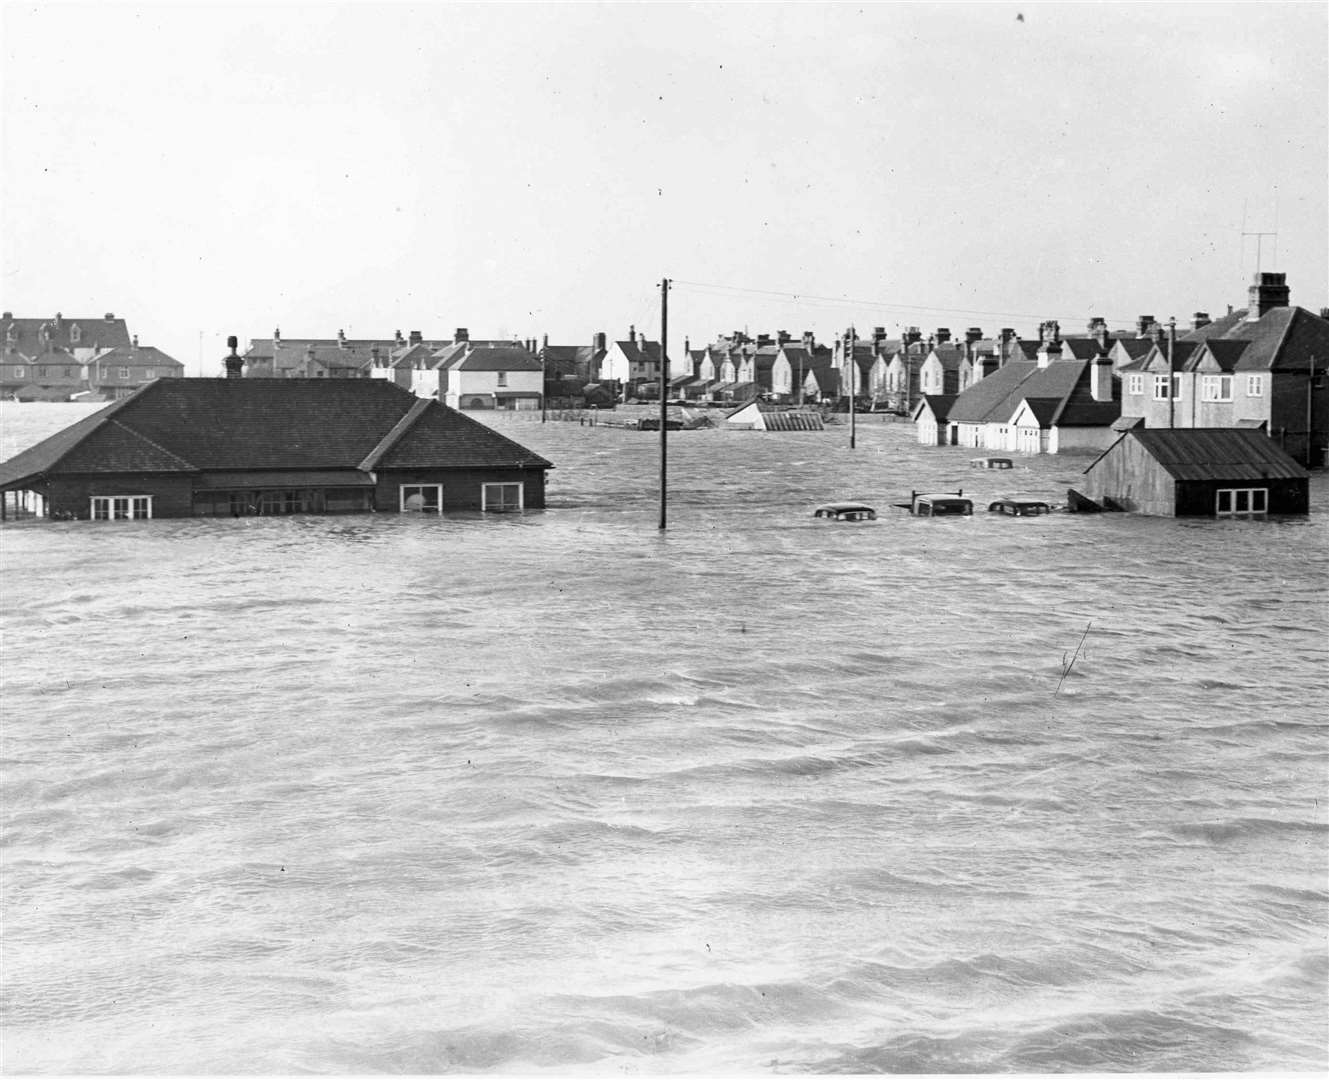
558 792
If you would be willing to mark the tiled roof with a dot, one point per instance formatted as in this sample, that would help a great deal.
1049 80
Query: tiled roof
940 404
492 359
1217 328
1224 353
237 424
94 332
998 392
1284 339
148 355
1217 454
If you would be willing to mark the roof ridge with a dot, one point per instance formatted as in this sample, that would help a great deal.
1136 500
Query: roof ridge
397 430
116 422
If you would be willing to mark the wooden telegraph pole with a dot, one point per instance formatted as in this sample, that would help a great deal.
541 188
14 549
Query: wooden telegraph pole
853 371
664 411
1171 378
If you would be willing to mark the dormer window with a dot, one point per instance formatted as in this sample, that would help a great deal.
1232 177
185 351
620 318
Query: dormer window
75 333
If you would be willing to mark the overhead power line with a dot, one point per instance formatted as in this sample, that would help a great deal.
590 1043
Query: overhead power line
886 305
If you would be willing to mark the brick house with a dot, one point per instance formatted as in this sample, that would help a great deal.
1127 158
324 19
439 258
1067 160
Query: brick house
237 446
58 358
1263 366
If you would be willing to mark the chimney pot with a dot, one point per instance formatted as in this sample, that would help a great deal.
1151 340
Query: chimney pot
109 316
234 363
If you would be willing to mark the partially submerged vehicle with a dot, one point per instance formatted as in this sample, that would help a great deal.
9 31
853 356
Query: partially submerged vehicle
846 511
991 463
940 504
1019 507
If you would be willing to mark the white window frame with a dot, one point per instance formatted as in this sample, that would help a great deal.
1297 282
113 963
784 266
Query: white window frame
1255 386
1216 388
405 491
1160 388
485 497
1135 383
124 373
18 372
149 373
120 507
1241 502
500 378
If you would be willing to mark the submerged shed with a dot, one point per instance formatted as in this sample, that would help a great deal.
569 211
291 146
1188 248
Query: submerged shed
757 417
1198 472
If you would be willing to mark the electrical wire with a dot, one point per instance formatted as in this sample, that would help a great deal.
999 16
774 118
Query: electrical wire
880 304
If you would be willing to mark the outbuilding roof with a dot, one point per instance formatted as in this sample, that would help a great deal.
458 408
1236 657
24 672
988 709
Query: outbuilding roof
1222 454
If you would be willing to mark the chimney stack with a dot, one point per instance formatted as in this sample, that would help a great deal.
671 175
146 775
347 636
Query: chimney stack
416 337
460 334
276 338
1100 378
1199 319
1144 325
1268 291
341 340
943 335
235 365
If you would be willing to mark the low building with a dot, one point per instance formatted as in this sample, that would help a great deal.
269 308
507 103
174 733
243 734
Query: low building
237 446
1197 472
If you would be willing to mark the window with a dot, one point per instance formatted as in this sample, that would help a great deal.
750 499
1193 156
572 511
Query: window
422 498
283 502
501 497
149 373
1216 388
1255 386
18 372
124 373
1161 387
1241 502
502 378
1135 384
121 507
69 373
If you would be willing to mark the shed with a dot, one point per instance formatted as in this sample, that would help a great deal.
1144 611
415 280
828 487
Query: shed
235 447
756 417
1198 472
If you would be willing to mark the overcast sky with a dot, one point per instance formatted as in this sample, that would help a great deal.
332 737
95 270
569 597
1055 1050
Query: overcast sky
208 169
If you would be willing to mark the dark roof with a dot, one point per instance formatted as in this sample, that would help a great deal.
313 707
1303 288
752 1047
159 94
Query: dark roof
94 332
1235 454
1000 390
511 358
148 355
1217 328
940 404
1044 409
187 425
1225 353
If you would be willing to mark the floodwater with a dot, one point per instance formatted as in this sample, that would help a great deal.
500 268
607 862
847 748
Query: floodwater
556 792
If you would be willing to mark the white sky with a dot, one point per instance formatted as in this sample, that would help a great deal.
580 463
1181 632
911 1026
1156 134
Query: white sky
207 169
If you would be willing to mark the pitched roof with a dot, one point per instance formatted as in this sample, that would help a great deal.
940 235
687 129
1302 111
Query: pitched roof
138 354
511 358
187 425
93 332
939 404
1216 454
995 393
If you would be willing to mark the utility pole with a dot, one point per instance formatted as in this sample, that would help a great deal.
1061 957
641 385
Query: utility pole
1310 407
664 411
1171 378
544 379
853 370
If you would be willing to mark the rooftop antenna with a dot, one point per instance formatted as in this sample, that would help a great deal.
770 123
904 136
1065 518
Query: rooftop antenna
1259 236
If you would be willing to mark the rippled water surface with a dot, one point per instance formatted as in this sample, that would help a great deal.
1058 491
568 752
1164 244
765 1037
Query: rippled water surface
763 794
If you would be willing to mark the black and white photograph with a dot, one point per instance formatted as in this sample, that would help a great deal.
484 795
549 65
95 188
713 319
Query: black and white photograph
608 539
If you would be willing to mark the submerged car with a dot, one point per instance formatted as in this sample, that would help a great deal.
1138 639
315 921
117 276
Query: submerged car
846 511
